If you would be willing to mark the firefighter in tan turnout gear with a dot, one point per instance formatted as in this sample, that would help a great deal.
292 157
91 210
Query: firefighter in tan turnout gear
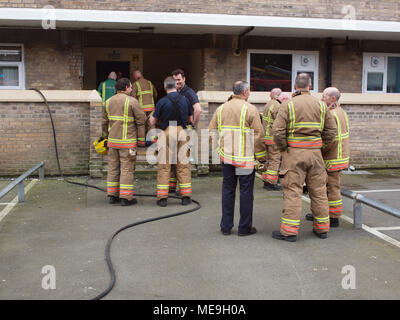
300 129
173 113
240 144
145 92
124 125
270 174
337 157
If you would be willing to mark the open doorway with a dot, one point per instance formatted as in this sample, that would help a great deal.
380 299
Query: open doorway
103 69
159 63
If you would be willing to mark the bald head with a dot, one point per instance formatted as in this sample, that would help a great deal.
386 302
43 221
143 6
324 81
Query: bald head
330 96
137 74
275 93
112 75
284 96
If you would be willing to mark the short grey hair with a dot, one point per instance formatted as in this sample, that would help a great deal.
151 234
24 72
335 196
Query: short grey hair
240 86
303 80
169 83
333 92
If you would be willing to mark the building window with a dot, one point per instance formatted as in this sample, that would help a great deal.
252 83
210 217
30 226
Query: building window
381 73
12 73
268 69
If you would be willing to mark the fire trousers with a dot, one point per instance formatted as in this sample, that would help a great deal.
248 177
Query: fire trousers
173 148
298 166
246 182
334 195
273 162
120 176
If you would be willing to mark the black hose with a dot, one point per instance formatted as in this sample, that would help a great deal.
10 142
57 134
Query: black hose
111 238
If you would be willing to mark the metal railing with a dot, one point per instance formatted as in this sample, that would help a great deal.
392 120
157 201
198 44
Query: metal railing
20 182
359 200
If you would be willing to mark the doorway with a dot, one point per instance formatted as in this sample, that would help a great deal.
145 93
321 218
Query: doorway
103 69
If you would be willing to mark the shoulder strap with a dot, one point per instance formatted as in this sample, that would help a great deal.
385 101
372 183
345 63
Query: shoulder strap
175 101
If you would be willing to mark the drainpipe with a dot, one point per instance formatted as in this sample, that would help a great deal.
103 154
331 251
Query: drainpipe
237 51
328 62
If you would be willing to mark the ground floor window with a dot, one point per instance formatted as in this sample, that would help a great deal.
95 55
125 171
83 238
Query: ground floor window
268 69
381 73
12 73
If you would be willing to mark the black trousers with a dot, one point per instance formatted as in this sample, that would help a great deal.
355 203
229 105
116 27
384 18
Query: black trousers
231 174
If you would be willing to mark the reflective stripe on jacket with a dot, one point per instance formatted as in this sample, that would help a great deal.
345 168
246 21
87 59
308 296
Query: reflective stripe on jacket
337 157
240 133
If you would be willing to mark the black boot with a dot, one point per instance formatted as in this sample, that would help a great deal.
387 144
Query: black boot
272 187
321 235
186 201
309 217
253 230
125 202
278 235
334 222
162 202
112 199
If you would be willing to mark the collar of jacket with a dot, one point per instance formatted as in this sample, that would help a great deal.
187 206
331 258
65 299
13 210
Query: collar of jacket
333 106
234 96
300 91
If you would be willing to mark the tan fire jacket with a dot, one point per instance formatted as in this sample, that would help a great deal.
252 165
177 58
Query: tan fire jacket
123 122
337 156
269 116
304 122
145 92
240 133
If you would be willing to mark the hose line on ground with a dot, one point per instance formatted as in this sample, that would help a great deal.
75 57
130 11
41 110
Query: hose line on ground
110 239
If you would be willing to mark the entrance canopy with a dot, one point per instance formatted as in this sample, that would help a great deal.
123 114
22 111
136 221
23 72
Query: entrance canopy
197 23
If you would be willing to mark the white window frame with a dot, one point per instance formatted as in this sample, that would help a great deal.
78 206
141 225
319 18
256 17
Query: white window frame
295 68
367 68
19 64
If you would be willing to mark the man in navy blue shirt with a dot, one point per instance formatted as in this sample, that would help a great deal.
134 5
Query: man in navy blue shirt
173 112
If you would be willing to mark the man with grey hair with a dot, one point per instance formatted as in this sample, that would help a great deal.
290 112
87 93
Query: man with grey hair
106 88
337 156
303 125
240 145
270 170
173 113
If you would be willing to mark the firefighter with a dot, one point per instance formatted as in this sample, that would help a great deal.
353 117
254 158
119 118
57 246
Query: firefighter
173 113
106 88
124 125
337 157
191 96
146 93
270 174
300 129
240 145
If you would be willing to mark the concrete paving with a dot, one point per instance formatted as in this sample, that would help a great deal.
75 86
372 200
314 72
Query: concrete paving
186 257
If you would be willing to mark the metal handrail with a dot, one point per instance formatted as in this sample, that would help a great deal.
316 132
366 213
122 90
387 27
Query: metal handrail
359 199
20 182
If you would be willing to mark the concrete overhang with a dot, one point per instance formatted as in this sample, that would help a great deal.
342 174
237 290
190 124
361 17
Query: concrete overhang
198 23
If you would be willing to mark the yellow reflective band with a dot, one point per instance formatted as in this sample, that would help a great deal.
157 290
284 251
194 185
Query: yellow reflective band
335 203
291 124
125 125
326 219
307 125
162 186
111 184
310 138
291 222
242 126
237 158
126 186
103 93
323 111
127 141
261 154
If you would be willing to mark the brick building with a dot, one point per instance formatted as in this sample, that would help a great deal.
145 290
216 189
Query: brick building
72 45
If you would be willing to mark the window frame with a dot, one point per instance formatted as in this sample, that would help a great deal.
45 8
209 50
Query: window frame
19 64
367 68
295 68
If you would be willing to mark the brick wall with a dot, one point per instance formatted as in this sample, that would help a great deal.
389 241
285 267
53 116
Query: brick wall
374 135
26 137
364 10
53 67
